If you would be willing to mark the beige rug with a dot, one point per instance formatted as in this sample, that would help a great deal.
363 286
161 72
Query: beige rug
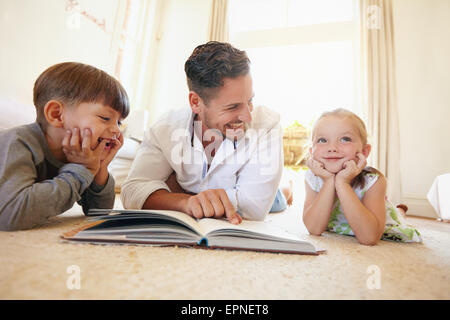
34 265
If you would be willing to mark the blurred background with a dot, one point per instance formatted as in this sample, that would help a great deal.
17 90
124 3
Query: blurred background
386 60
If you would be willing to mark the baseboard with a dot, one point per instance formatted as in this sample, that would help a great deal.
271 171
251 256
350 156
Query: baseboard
419 207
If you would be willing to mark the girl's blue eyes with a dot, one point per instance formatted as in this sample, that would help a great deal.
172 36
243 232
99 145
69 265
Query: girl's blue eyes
343 139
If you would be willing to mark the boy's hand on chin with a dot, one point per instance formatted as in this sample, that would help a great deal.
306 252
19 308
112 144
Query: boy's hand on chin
351 169
116 144
77 149
101 178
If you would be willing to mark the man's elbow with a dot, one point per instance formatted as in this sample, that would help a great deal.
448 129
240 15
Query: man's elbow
126 196
124 199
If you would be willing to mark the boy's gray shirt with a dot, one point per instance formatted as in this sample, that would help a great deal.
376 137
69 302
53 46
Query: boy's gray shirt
34 185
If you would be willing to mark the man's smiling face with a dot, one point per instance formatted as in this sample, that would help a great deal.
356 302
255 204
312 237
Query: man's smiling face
229 111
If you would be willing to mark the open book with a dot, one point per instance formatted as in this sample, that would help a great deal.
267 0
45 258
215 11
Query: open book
163 227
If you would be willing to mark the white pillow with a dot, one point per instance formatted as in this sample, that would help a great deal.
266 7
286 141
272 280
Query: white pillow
13 113
121 164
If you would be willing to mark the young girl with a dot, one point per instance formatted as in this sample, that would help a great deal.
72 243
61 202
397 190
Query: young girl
342 194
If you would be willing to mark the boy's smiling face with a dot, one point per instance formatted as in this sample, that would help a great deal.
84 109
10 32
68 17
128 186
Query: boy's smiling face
103 121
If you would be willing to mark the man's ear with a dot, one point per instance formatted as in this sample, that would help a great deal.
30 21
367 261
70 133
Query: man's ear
53 112
195 101
366 150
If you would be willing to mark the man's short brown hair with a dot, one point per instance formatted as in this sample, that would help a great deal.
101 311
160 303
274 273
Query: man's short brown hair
73 83
210 63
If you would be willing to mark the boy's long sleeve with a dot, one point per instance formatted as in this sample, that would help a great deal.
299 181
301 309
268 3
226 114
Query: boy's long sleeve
100 197
34 186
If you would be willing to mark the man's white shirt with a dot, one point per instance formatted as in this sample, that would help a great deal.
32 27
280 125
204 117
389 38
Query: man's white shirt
249 170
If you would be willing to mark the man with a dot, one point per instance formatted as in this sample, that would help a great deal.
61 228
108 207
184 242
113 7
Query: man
221 157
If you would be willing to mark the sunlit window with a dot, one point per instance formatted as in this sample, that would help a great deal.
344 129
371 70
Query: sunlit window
302 54
301 81
249 15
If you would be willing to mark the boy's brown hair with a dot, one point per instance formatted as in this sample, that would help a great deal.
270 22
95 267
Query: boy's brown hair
72 83
210 63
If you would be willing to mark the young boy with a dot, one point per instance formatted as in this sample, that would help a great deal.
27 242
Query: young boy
63 157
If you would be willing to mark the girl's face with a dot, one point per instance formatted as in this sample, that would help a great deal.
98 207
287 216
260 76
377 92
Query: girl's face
336 140
103 121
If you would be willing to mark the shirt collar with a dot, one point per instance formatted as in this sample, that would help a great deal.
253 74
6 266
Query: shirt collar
191 134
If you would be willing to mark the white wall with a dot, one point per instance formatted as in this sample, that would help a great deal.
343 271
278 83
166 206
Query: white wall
422 44
34 36
184 26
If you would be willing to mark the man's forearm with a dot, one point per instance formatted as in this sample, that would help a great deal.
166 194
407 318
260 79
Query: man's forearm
165 200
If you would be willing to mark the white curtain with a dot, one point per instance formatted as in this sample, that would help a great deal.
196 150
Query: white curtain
379 92
137 34
218 22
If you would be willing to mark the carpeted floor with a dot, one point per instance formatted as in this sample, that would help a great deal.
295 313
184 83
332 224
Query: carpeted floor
35 266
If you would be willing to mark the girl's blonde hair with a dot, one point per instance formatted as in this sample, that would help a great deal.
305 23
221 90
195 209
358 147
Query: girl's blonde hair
342 113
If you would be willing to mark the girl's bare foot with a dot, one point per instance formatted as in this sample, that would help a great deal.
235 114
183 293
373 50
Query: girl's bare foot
402 208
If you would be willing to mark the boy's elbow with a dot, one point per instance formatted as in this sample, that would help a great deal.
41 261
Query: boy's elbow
12 225
16 216
8 227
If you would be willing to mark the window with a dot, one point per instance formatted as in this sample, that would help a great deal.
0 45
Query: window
302 54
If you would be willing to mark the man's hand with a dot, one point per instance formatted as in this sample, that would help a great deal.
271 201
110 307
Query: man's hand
351 169
318 169
212 203
78 150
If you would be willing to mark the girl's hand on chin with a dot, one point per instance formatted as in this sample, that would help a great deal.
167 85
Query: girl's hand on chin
318 169
351 169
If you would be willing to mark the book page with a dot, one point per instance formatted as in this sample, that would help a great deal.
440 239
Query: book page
176 215
262 227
